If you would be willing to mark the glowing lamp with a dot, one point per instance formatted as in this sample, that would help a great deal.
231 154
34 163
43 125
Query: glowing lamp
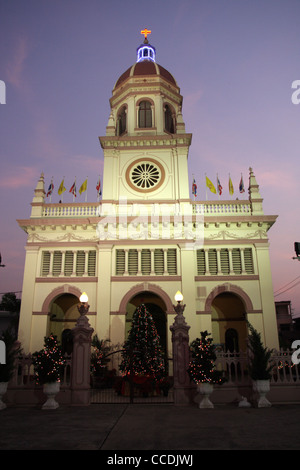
84 298
178 296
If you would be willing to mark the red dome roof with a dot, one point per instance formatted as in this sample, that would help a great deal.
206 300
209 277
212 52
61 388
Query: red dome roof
146 67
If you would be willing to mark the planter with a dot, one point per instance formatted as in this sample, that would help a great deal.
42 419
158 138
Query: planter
51 390
3 389
262 387
205 389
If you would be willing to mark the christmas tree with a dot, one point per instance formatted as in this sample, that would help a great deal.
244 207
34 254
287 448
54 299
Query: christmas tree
202 366
49 362
142 353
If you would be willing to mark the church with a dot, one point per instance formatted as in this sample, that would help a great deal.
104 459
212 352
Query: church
147 238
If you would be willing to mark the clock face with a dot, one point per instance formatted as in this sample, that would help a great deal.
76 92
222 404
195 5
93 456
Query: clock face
145 175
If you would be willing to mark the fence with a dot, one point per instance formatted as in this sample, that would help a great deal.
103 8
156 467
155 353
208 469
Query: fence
285 380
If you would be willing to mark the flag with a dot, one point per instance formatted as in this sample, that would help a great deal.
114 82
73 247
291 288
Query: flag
98 187
50 189
242 188
73 189
194 188
210 185
231 190
83 187
219 187
61 188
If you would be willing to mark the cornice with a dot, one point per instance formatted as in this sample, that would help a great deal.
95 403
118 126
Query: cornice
150 141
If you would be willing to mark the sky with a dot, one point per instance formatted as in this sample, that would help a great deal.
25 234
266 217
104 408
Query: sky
235 63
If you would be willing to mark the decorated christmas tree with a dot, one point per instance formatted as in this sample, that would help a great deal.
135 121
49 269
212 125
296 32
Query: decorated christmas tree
202 367
49 362
142 353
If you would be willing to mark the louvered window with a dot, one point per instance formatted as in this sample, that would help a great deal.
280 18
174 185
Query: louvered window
120 262
45 263
91 263
146 262
80 263
212 261
224 256
57 257
132 262
201 262
158 261
171 261
68 263
236 261
248 259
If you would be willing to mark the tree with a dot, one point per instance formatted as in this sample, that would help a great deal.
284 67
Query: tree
259 367
49 362
142 353
202 366
10 303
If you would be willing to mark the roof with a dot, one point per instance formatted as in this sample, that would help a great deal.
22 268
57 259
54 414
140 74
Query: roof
145 67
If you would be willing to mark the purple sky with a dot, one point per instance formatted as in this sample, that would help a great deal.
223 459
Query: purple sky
234 62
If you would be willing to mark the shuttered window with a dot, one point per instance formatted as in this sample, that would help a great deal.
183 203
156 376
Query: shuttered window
248 259
201 262
68 263
212 261
236 261
45 263
80 263
120 262
57 257
171 261
132 262
224 256
146 262
159 261
92 263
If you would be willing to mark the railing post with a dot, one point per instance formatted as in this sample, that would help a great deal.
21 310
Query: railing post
181 357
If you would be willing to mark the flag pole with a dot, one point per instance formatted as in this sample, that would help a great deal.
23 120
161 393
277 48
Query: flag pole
62 194
205 187
86 189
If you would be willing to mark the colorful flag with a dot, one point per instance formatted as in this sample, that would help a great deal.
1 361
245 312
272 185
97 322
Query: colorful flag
83 187
210 185
61 188
50 189
231 190
73 189
194 188
242 188
219 186
98 187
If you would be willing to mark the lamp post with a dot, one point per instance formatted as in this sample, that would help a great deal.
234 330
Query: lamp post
179 308
83 307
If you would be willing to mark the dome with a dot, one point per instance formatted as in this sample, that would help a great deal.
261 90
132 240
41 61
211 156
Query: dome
145 67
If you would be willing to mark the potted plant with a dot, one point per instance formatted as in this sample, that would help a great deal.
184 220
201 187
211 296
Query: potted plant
48 367
12 350
202 369
259 366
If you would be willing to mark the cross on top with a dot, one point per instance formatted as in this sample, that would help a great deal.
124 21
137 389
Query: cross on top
145 32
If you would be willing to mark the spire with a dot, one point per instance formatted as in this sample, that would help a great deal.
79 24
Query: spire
254 194
38 198
145 51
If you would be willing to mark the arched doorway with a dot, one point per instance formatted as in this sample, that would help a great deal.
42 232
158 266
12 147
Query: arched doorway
156 307
63 314
229 327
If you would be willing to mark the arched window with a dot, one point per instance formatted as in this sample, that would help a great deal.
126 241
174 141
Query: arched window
145 114
121 121
169 122
231 340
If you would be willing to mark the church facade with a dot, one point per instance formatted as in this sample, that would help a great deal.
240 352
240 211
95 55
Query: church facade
147 239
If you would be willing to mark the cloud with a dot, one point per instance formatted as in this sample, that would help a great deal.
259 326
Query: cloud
22 176
15 67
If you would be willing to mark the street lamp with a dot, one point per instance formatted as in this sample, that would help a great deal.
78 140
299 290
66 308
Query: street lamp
179 308
83 307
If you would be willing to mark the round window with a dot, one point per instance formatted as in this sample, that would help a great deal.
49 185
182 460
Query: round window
145 175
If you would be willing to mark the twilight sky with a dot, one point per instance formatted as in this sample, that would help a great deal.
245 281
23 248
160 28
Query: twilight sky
234 61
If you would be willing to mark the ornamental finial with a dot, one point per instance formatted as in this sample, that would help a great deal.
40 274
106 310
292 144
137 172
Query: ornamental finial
145 32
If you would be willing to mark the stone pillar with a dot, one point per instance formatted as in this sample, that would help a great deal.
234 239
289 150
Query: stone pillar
181 357
81 360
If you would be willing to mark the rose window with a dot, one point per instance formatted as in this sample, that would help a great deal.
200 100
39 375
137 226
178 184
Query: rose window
145 175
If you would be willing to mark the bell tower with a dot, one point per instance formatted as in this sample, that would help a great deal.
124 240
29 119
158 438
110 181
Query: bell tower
146 146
